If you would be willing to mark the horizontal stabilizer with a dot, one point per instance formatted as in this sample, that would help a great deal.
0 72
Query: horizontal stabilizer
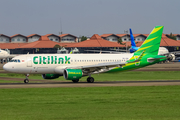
158 57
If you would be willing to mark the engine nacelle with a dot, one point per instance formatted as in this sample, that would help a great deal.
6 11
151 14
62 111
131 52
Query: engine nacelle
50 76
72 74
171 57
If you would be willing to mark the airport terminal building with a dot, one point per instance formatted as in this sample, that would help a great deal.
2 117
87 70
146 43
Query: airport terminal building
34 43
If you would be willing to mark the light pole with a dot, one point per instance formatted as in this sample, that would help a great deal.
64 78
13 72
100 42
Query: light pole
126 32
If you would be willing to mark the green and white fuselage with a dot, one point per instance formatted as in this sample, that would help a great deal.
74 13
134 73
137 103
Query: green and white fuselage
56 63
74 66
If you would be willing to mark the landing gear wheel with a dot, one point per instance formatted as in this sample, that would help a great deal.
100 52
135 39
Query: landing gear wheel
75 81
90 79
26 80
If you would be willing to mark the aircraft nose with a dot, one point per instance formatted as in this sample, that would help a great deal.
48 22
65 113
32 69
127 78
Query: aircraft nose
6 67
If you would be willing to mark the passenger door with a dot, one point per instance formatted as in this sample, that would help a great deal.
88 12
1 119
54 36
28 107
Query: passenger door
29 61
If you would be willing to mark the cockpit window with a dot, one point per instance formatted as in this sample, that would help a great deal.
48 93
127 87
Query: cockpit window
15 60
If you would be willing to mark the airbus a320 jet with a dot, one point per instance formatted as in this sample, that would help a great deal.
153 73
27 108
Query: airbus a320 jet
75 66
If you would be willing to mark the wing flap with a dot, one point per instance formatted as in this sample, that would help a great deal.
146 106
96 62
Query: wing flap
99 66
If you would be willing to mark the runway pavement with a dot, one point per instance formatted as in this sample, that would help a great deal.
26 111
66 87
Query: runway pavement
85 84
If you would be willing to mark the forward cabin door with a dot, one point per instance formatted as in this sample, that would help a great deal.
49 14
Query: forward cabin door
29 61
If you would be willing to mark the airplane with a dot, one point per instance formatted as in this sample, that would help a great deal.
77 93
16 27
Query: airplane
75 66
74 51
5 54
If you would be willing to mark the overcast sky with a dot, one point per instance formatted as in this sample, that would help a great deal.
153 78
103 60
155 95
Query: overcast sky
87 17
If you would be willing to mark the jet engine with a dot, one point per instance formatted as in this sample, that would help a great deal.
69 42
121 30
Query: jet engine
50 76
171 57
72 74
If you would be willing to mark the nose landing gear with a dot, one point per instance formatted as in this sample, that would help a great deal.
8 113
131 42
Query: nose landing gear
26 80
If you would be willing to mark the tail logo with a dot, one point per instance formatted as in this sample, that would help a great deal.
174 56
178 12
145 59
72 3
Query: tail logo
137 63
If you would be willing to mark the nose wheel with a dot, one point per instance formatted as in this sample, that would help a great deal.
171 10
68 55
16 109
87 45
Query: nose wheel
26 80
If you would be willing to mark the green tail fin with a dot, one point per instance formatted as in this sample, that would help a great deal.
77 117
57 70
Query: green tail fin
152 43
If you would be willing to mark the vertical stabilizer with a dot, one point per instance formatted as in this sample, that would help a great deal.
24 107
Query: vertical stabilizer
133 44
152 42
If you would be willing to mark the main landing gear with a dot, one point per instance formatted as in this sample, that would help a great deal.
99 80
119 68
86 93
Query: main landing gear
90 79
26 80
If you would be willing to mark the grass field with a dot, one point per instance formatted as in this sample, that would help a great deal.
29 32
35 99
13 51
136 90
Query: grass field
121 76
6 81
95 103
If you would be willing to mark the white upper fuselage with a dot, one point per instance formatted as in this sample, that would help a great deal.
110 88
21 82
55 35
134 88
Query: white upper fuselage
3 54
56 63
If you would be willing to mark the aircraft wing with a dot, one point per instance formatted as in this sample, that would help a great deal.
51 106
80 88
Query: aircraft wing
171 56
175 52
99 66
